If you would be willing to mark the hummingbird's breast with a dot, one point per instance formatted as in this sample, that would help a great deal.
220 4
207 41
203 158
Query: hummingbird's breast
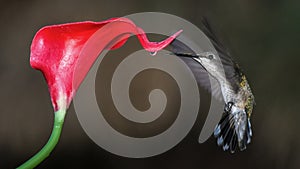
237 92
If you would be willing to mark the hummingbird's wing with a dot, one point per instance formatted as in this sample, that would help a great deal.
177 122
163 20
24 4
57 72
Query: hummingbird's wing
201 75
231 68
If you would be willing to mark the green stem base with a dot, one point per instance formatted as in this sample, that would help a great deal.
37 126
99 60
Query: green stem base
47 149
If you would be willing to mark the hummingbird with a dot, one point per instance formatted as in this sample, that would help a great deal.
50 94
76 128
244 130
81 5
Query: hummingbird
234 128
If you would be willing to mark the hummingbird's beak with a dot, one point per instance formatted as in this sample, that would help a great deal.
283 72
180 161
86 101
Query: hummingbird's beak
189 55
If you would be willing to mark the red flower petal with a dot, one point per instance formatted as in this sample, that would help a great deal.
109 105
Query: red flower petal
62 51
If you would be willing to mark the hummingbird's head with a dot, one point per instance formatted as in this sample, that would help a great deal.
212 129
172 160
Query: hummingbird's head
211 62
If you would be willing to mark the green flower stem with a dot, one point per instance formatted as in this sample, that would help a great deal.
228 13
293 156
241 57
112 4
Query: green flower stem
47 149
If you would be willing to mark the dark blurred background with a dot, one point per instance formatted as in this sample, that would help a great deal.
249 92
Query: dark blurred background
263 37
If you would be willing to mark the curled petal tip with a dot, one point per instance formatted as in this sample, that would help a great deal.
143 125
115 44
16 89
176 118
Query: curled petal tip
155 46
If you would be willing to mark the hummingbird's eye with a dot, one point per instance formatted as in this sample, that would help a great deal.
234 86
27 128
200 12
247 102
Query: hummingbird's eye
210 57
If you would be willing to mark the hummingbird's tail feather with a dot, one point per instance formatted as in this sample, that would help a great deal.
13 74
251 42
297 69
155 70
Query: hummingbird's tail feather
226 134
247 137
248 133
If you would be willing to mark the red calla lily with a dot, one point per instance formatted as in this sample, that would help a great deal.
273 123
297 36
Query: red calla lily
55 50
66 52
